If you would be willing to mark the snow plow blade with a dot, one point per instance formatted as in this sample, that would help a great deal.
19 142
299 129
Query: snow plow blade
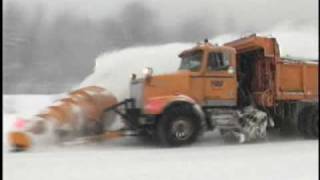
81 113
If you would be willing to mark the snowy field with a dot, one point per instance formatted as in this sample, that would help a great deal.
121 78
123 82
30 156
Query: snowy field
128 158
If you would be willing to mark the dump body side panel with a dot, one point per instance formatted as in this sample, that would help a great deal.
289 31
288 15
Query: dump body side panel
296 81
290 80
263 85
269 45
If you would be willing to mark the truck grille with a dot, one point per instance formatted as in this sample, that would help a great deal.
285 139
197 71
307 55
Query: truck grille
136 92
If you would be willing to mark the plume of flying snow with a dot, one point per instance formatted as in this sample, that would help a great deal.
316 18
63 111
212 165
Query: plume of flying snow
112 70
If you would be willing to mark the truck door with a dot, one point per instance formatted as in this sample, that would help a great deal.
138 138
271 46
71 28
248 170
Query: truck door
220 79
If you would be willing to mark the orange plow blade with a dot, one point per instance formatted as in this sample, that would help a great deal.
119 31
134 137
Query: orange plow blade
80 113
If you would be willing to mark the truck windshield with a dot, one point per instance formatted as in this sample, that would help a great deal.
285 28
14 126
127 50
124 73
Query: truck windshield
191 61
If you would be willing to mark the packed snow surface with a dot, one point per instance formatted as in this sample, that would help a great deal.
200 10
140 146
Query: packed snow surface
129 158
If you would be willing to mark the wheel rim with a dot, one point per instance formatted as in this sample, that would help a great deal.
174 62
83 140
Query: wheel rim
182 129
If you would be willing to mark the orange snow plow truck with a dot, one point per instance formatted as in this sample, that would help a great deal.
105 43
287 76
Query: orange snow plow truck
242 89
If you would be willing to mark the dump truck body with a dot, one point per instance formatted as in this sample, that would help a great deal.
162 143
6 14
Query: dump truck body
284 79
297 81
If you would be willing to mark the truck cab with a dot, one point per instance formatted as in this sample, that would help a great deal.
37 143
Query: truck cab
212 74
206 75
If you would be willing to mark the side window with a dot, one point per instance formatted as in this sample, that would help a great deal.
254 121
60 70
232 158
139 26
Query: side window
218 61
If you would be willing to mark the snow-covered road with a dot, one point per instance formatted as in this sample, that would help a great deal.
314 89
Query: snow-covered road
209 158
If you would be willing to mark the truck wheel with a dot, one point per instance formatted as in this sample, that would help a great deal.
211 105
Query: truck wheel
178 126
303 116
316 123
313 123
308 123
301 123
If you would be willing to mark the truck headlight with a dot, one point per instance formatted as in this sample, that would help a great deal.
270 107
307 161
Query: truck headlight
147 72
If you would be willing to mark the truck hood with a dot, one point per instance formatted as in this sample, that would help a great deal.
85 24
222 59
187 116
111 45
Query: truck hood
167 84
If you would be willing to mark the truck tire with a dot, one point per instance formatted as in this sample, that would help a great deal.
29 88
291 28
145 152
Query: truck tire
302 120
316 122
179 125
286 128
313 123
308 123
287 119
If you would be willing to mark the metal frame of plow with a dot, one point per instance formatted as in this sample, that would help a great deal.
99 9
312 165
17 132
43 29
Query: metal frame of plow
127 110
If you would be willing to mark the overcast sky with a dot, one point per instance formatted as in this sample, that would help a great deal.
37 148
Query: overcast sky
171 12
75 32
